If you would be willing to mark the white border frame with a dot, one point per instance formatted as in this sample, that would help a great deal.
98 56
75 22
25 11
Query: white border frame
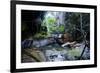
20 65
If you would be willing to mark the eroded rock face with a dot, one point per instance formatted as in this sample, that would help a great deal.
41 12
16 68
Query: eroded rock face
54 52
43 42
26 44
37 43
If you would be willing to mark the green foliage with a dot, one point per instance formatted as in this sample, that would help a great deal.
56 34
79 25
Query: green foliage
41 35
51 21
61 28
51 24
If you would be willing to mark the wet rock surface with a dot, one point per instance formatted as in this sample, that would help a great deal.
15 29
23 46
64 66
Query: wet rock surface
48 52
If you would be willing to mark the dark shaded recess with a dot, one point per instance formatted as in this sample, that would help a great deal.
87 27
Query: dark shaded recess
86 21
31 22
77 32
77 36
